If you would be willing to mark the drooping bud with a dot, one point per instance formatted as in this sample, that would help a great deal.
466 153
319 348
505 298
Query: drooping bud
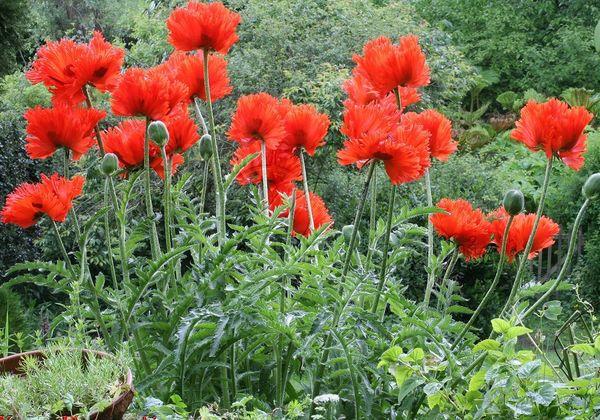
513 202
206 147
110 164
347 232
591 188
158 133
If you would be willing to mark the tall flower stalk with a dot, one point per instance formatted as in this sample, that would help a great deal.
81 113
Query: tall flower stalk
430 271
311 219
154 244
167 197
264 176
207 161
218 179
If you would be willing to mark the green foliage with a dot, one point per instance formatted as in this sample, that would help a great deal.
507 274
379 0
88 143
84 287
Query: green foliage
14 19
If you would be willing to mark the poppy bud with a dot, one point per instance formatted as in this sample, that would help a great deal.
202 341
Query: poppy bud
206 147
347 232
591 188
158 133
513 202
110 164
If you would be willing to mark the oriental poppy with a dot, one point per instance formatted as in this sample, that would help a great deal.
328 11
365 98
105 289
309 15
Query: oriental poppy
258 117
554 128
305 128
49 129
404 152
466 226
375 118
66 67
520 231
183 133
283 168
388 66
361 92
203 26
127 142
159 165
147 93
189 69
441 145
320 213
53 196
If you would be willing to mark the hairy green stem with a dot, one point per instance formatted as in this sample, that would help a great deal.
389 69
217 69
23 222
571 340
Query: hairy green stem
167 198
386 244
564 269
63 250
206 163
492 287
311 220
96 128
524 257
218 178
120 221
154 244
66 176
372 219
264 176
449 268
430 273
111 262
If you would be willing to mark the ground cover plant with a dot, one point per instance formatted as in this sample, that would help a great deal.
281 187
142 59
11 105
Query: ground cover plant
272 308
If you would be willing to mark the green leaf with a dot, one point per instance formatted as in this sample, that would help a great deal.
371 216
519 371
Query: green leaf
434 400
500 326
552 310
408 385
584 348
401 374
457 309
391 355
544 396
517 331
477 380
417 354
487 344
597 37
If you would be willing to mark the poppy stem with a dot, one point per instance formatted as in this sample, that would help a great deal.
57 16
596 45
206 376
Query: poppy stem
154 245
167 198
264 176
430 273
111 262
122 249
66 176
311 219
566 264
386 244
63 250
220 191
206 163
492 287
96 128
372 218
449 269
527 250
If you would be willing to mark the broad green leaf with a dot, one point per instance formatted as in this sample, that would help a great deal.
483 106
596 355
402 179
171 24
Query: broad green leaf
500 325
417 354
434 400
552 309
517 331
487 344
401 374
408 385
391 355
477 380
544 396
584 348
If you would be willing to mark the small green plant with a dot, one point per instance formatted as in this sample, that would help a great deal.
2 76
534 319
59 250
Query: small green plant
65 382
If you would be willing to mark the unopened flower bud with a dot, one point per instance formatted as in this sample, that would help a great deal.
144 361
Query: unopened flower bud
513 202
347 232
158 133
206 147
591 188
110 164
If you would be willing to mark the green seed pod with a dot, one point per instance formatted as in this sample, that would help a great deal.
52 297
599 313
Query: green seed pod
347 232
110 164
206 147
591 188
513 202
158 133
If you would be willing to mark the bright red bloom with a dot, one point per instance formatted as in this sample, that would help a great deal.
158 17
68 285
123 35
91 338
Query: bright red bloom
283 168
147 93
258 117
127 142
65 67
404 152
159 165
203 26
388 66
463 224
321 215
441 145
189 69
519 233
49 129
361 92
305 128
183 133
374 119
53 196
556 129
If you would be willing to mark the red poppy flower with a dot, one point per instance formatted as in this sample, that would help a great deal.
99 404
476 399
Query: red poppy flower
321 215
283 168
554 128
127 142
53 196
404 152
375 119
147 93
183 133
463 224
65 67
61 126
519 233
159 165
203 26
304 127
189 69
388 66
361 92
441 145
258 117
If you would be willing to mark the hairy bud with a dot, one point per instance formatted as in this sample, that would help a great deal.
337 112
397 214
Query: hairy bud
110 164
158 133
591 188
206 147
513 202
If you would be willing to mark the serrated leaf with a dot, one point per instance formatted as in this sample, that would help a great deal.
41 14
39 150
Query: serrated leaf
517 331
477 380
584 348
500 326
486 345
391 355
